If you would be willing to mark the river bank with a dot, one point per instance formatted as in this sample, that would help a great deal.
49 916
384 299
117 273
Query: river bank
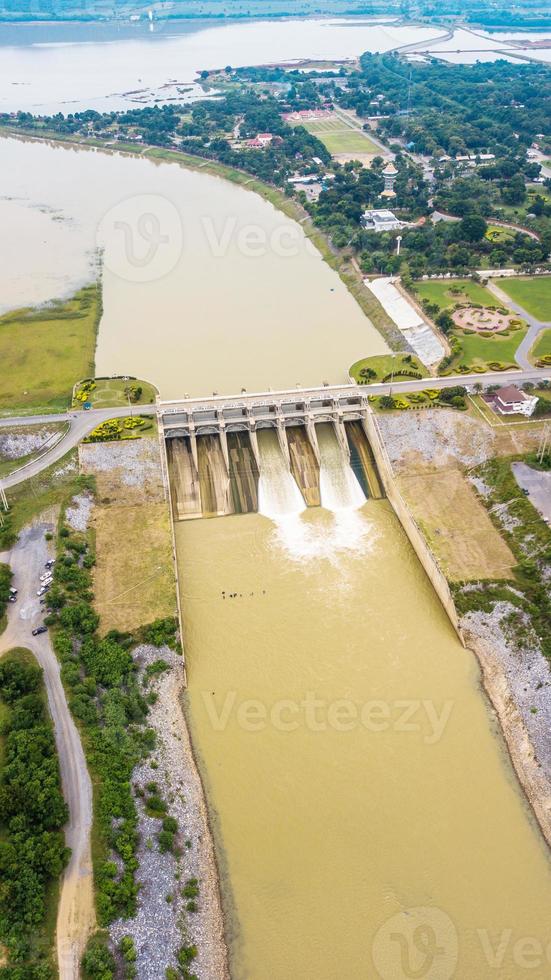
518 686
164 922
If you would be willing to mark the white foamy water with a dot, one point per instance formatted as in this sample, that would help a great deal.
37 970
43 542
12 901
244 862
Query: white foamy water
340 489
345 533
278 493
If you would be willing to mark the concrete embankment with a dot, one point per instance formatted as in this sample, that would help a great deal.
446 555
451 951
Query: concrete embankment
415 535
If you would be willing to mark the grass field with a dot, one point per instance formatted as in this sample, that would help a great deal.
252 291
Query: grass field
479 350
44 351
110 393
438 291
533 294
542 345
339 138
134 573
134 576
456 525
385 364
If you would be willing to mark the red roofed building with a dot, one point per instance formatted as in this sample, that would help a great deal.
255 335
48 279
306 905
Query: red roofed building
512 401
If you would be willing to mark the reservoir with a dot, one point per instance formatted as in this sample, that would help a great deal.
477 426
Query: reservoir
233 287
358 783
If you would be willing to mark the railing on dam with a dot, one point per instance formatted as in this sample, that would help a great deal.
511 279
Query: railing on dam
254 411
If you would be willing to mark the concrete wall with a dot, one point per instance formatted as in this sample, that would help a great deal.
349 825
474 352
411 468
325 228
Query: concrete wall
169 504
415 535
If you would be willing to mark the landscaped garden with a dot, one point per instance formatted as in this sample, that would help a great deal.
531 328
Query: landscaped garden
384 367
113 393
533 293
113 430
445 293
424 398
498 234
541 351
482 336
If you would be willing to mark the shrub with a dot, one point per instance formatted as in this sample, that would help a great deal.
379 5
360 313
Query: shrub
98 962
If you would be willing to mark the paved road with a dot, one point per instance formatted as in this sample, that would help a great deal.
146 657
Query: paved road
534 326
76 915
81 423
538 485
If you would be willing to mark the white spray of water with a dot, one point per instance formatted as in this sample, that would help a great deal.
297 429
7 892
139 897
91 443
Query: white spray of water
302 539
339 487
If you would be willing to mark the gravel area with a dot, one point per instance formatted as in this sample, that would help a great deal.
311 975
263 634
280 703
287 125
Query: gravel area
15 445
160 926
78 513
137 458
437 434
527 673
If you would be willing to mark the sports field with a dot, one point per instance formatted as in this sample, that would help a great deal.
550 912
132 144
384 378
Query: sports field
532 293
339 138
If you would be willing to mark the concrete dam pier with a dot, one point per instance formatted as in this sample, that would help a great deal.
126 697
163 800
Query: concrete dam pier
221 458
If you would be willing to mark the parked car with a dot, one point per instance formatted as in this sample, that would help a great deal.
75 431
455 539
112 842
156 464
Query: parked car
13 591
39 630
12 598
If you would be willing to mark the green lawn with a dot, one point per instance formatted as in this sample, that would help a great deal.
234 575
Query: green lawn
110 393
479 350
383 365
542 347
43 351
340 138
497 234
438 291
532 293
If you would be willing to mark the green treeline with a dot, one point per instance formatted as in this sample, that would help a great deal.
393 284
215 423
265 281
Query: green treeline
5 584
32 814
104 696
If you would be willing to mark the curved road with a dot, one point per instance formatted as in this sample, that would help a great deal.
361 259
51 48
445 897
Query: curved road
534 326
76 915
81 424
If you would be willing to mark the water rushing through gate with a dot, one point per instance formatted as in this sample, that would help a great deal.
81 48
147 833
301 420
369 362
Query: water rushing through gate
278 493
340 489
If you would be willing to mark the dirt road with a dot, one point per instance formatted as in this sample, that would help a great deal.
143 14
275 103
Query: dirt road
76 916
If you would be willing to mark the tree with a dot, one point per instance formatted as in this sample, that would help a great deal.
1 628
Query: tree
472 228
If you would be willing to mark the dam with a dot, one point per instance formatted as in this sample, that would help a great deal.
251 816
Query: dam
218 453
